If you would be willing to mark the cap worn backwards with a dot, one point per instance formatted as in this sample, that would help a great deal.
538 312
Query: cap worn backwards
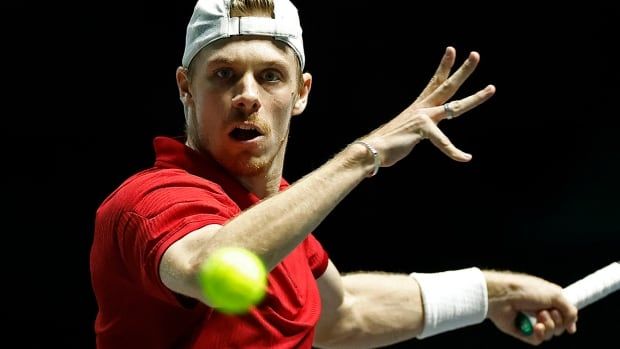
211 21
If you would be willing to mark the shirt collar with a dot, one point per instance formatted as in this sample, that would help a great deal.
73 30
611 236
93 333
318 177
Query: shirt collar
173 153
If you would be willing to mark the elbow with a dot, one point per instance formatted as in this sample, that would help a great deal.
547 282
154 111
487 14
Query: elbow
339 329
180 275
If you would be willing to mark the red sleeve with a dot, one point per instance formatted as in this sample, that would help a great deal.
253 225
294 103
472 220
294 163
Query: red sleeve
317 256
162 215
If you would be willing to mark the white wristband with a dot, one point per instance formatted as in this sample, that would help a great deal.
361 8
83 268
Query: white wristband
452 299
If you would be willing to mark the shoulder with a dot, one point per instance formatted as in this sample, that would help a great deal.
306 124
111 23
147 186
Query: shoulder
152 189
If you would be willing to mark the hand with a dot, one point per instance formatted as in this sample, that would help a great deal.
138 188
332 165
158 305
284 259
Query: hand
395 139
511 293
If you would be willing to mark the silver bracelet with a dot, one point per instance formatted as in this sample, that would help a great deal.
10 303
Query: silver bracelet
375 157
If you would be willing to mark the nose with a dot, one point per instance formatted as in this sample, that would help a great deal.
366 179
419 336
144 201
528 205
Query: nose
246 97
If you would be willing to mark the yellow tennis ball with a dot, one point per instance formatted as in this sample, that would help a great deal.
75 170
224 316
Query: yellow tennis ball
233 279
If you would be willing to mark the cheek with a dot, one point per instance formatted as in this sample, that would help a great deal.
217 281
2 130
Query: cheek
212 110
282 115
283 103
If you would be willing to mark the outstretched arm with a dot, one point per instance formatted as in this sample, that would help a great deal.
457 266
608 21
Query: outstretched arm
367 310
276 225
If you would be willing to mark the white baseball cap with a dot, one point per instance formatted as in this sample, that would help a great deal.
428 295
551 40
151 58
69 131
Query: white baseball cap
211 21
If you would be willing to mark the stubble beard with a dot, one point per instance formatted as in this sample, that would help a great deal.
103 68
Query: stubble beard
259 166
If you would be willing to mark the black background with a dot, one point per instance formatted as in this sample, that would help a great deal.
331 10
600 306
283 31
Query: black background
95 83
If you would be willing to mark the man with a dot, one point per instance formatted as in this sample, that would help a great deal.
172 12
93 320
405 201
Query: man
240 82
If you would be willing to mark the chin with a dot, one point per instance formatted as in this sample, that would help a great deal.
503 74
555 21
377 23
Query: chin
251 168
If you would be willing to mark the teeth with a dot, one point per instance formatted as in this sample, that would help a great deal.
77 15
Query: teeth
246 127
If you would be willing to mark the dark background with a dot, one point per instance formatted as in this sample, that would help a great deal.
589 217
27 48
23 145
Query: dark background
95 83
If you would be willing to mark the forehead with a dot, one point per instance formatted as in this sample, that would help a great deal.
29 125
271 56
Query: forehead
248 50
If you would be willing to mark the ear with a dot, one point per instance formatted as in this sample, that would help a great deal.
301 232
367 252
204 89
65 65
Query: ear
183 84
304 92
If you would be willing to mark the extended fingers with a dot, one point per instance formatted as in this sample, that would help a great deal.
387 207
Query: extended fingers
449 87
461 106
441 74
441 141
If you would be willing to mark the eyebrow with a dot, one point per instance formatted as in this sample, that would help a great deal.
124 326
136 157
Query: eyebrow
277 63
220 61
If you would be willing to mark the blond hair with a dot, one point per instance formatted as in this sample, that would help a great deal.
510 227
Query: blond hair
243 8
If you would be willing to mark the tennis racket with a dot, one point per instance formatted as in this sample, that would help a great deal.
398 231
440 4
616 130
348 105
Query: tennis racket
581 293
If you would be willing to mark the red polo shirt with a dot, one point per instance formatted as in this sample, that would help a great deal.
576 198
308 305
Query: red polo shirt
151 210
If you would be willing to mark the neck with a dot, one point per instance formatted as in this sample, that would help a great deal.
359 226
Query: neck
263 185
267 181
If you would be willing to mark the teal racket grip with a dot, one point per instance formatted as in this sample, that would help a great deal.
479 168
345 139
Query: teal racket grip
525 323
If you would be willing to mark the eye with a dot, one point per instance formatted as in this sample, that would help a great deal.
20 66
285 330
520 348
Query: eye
271 75
224 74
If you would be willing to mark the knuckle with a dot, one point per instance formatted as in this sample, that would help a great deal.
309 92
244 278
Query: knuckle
447 85
417 122
445 143
455 106
573 313
423 118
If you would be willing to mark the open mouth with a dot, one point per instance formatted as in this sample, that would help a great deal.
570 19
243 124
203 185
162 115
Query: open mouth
245 132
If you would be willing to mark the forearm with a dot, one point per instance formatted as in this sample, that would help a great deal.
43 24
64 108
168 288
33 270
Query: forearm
274 227
379 309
